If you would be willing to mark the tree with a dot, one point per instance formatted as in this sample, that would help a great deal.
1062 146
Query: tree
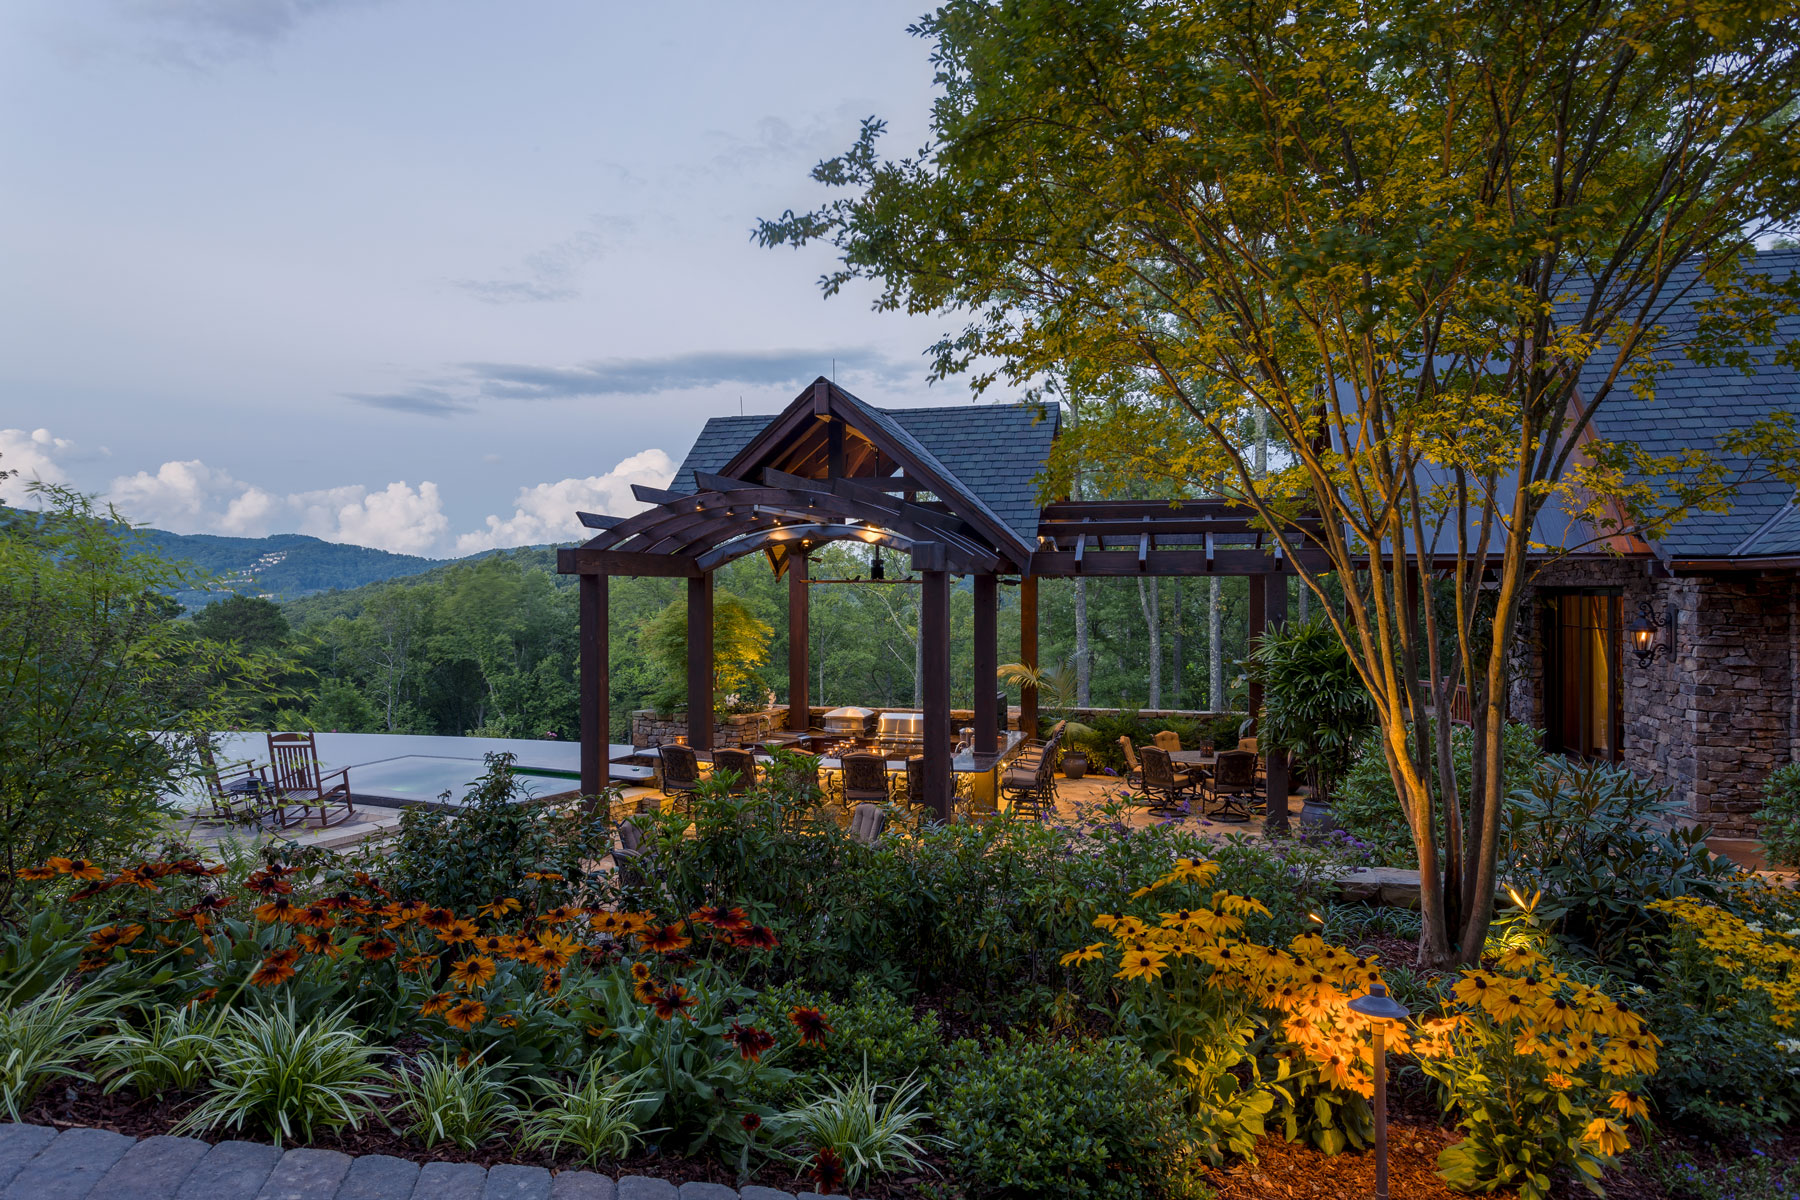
740 644
1399 239
250 621
107 698
1314 702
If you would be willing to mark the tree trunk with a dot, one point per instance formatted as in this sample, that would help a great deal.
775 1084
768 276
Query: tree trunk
1152 609
1215 649
1175 645
1084 658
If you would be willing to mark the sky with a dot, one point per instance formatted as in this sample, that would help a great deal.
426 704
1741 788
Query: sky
424 275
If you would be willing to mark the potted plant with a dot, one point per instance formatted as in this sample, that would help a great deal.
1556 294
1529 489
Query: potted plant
1055 686
1314 707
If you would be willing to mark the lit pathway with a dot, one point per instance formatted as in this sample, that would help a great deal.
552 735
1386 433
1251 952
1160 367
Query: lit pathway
38 1163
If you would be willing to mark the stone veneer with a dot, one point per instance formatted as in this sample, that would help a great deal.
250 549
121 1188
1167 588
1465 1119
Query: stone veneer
650 728
1712 719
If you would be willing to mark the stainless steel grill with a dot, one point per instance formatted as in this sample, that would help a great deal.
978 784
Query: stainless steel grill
849 721
901 727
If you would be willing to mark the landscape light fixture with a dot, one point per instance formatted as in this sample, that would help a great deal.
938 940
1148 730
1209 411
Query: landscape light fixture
1380 1008
877 569
1644 629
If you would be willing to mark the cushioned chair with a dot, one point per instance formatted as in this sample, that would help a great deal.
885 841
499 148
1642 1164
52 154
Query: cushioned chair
1233 785
1169 740
1031 784
740 764
866 823
1169 790
628 857
1134 771
915 779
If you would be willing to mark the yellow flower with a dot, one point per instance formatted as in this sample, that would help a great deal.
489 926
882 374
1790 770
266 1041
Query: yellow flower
1086 954
1517 958
1629 1104
1638 1053
1143 964
1607 1137
1473 987
1559 1081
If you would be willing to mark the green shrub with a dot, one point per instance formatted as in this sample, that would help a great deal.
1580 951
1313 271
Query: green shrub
872 1031
170 1051
463 858
1030 1118
1780 815
279 1076
44 1038
441 1100
1314 701
596 1118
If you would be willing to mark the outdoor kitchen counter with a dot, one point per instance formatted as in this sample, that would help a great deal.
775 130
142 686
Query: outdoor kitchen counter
965 763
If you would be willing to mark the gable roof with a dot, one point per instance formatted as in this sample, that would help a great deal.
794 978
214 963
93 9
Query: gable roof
1689 405
993 452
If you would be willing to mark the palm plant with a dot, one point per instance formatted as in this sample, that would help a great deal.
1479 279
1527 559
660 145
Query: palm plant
277 1074
1314 701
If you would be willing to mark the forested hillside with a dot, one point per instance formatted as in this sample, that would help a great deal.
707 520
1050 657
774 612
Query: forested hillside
282 566
488 646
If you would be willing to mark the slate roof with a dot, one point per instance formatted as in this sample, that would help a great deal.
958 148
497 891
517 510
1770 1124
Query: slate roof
1692 405
996 451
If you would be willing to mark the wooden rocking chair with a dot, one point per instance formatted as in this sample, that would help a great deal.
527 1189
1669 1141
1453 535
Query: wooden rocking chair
297 782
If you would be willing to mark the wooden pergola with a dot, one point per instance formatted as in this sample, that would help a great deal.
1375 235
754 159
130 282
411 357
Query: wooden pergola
832 468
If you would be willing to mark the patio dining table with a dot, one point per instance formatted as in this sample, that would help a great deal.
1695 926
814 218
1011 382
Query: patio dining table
1192 758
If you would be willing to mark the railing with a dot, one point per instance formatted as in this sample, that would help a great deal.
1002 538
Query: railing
1460 713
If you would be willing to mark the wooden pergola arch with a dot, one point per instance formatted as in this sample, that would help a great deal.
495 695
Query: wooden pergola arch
831 468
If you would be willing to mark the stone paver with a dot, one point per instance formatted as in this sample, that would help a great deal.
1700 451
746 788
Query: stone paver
19 1144
231 1171
713 1191
306 1174
450 1181
754 1192
642 1187
509 1181
153 1169
69 1167
582 1185
378 1177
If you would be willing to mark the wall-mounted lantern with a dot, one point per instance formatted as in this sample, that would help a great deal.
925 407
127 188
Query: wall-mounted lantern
1644 629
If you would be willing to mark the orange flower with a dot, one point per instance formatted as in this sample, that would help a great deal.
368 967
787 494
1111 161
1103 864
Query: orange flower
665 939
499 908
114 936
560 914
459 930
507 1022
380 949
472 972
610 923
436 918
81 868
554 951
552 982
279 910
318 916
61 866
202 996
496 945
811 1023
436 1004
673 1001
750 1041
543 876
757 937
36 874
274 970
418 963
319 943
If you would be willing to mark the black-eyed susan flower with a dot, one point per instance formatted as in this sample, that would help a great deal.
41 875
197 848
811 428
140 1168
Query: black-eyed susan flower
1086 954
811 1023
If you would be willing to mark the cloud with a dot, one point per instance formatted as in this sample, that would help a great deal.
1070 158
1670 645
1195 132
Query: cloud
33 455
202 33
546 513
192 497
551 274
475 382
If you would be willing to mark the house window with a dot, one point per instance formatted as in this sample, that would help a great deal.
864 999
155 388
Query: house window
1582 639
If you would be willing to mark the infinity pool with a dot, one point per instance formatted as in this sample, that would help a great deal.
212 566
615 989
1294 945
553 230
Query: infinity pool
415 778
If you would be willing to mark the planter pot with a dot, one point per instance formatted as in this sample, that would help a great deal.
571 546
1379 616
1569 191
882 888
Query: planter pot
1074 765
1316 815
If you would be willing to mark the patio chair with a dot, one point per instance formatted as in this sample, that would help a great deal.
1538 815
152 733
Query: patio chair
296 782
1233 785
1134 772
1169 740
915 779
239 791
680 774
739 763
1169 790
865 778
628 857
867 822
1031 786
1247 743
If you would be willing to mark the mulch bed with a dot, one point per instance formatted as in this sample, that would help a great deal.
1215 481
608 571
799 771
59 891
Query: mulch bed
85 1105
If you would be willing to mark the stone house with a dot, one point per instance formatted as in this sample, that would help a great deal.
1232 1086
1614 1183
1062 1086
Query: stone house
1679 657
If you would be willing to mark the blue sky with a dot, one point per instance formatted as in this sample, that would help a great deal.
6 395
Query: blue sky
422 274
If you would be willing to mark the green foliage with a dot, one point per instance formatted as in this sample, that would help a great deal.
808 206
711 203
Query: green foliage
307 564
1033 1118
1780 815
868 1134
44 1038
873 1032
1598 841
598 1117
740 646
169 1051
439 1100
251 622
469 855
1314 702
280 1076
106 693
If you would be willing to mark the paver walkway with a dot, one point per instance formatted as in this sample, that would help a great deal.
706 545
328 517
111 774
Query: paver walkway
39 1163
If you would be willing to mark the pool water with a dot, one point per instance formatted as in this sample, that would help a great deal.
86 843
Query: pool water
420 777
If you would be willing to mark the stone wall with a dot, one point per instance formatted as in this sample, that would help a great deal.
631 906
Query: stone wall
650 728
1711 719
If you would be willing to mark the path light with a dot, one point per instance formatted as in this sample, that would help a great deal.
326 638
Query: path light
1380 1008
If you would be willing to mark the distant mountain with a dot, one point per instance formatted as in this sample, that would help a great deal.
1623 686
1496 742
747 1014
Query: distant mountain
283 566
